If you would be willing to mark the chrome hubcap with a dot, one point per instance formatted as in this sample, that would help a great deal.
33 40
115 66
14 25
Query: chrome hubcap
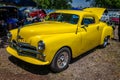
62 60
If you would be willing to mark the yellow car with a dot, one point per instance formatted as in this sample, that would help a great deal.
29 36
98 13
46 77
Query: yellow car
65 34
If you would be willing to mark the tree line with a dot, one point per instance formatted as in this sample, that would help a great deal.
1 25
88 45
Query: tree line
66 4
54 4
108 3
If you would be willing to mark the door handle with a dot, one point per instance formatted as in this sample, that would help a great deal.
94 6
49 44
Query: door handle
97 27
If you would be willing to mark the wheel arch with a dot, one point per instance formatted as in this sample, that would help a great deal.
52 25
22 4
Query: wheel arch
107 32
103 37
60 49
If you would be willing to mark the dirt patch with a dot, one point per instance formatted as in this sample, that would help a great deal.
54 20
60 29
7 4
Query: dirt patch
97 64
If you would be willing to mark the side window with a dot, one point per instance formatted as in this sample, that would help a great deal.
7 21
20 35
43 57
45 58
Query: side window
74 19
88 20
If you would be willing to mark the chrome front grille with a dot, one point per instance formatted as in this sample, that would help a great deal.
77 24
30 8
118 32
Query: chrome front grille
25 49
22 45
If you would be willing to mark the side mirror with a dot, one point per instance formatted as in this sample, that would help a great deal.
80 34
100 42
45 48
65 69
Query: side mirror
84 26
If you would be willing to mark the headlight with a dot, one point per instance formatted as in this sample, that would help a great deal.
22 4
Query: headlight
41 45
9 36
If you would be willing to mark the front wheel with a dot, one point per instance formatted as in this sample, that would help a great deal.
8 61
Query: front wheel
61 60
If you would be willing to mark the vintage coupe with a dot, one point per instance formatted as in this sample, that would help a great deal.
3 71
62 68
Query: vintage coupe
65 34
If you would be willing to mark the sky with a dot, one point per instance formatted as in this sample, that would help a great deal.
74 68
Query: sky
79 3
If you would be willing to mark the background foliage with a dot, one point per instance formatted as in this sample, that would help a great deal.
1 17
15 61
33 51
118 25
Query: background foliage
54 4
108 3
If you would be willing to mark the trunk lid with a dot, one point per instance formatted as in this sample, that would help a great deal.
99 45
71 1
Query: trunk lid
98 11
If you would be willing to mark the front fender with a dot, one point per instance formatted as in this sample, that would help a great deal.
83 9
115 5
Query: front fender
55 42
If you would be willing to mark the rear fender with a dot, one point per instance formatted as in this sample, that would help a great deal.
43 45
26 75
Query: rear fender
107 32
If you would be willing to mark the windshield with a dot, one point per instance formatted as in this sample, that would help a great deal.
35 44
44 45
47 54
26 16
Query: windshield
63 17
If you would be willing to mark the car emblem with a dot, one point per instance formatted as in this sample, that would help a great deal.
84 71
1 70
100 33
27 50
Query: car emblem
20 39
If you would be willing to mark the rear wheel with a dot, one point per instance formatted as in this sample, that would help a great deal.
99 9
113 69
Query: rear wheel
61 60
105 43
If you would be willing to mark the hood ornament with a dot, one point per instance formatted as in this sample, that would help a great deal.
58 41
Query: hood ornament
18 36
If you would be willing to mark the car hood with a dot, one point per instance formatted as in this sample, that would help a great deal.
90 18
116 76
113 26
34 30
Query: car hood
45 28
98 11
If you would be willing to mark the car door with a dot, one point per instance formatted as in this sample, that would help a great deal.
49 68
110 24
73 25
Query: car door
91 32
